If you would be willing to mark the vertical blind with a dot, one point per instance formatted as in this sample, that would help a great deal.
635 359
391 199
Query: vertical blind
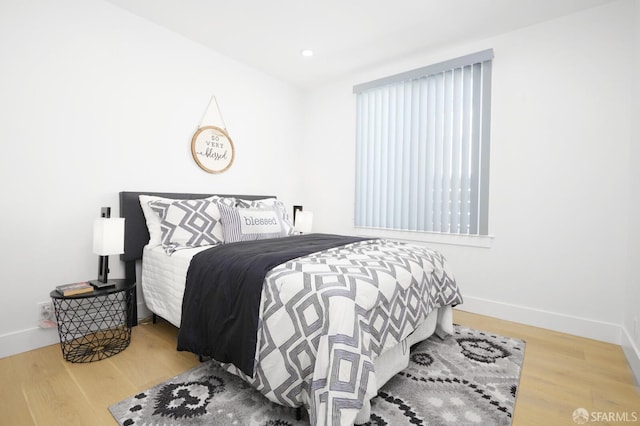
422 148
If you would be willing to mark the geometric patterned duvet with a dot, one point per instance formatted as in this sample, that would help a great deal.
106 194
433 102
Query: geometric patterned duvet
327 316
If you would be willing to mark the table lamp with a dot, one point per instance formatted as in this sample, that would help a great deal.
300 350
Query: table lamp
303 221
108 239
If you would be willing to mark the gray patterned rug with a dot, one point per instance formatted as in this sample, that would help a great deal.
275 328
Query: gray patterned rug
469 378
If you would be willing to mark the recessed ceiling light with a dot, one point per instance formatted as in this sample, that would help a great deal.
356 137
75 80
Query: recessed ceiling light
306 52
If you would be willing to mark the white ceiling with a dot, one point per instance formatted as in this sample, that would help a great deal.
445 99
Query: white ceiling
346 35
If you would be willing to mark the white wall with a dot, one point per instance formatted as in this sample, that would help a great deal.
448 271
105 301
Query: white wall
93 101
631 340
560 171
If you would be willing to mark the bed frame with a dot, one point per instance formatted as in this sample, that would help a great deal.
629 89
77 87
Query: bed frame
136 234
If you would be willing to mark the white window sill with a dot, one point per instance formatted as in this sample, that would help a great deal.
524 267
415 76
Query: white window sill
482 241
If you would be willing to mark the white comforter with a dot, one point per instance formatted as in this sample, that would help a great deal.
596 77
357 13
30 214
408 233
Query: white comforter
375 292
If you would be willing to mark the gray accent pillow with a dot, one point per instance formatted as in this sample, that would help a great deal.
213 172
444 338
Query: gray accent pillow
273 203
251 223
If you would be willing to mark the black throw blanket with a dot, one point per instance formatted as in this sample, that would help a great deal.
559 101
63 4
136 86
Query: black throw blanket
220 308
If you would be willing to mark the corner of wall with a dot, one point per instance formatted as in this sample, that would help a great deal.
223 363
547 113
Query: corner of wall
632 352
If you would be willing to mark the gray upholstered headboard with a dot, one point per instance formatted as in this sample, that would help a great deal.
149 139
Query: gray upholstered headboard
136 234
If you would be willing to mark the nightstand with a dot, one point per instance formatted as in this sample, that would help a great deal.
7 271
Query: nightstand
97 325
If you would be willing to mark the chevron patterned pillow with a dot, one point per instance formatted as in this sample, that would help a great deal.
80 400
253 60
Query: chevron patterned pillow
190 223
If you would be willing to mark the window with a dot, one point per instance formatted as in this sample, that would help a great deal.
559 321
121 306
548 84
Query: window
422 148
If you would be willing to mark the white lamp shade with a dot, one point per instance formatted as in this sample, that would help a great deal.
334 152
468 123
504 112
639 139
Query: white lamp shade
108 236
304 221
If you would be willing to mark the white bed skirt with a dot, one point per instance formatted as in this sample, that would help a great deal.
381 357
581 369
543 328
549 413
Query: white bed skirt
396 359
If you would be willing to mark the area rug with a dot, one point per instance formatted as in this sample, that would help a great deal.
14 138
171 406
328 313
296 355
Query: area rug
469 378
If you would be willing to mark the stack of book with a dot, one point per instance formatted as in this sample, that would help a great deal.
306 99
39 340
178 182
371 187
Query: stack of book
74 288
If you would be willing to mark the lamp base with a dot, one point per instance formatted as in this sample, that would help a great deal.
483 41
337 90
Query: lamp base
100 284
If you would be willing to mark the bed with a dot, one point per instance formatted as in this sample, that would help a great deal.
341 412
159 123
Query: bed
330 327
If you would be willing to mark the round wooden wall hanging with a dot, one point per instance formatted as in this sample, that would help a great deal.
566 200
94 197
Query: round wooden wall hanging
212 149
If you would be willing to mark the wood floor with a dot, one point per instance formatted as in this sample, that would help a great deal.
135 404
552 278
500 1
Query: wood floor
560 374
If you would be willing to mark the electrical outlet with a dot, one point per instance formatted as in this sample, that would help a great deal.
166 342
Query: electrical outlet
46 315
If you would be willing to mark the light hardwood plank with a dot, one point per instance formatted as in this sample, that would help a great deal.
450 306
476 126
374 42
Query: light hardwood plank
560 373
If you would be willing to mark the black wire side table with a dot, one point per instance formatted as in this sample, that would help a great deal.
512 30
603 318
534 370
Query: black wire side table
93 326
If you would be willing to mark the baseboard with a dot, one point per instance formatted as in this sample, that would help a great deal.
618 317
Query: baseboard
583 327
27 340
143 311
632 352
33 338
36 337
